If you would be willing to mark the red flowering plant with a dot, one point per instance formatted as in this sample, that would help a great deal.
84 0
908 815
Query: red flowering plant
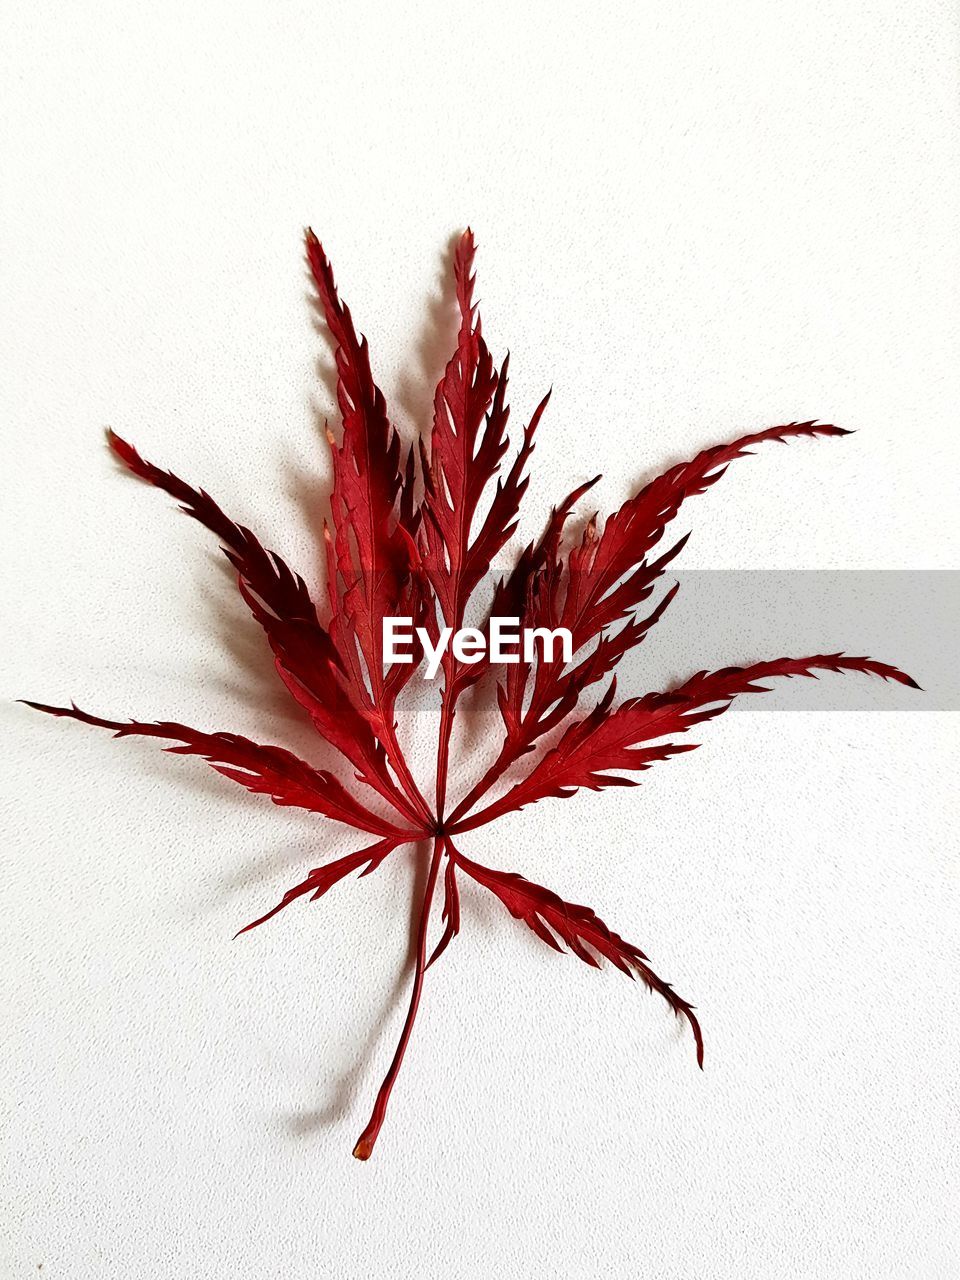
412 536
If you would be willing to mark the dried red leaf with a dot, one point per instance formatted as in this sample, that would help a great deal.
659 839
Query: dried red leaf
556 921
391 552
322 879
267 770
609 737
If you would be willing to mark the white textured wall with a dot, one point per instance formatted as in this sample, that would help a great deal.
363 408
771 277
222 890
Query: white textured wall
693 219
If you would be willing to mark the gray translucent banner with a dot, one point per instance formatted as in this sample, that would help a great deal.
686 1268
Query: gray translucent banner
909 619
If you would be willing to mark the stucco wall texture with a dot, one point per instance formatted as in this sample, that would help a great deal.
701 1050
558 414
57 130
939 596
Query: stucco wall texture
693 220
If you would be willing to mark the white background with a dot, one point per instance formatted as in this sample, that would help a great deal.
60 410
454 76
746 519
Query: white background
694 220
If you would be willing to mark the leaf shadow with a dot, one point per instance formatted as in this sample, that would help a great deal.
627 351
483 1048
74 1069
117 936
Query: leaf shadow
342 1093
416 387
254 682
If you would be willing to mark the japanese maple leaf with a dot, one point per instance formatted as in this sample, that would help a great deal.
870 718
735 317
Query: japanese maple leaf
413 534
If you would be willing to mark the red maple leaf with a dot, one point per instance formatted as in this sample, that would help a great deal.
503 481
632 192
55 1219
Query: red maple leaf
413 535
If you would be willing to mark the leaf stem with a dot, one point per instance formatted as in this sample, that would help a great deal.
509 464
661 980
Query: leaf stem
447 712
367 1140
480 789
407 781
